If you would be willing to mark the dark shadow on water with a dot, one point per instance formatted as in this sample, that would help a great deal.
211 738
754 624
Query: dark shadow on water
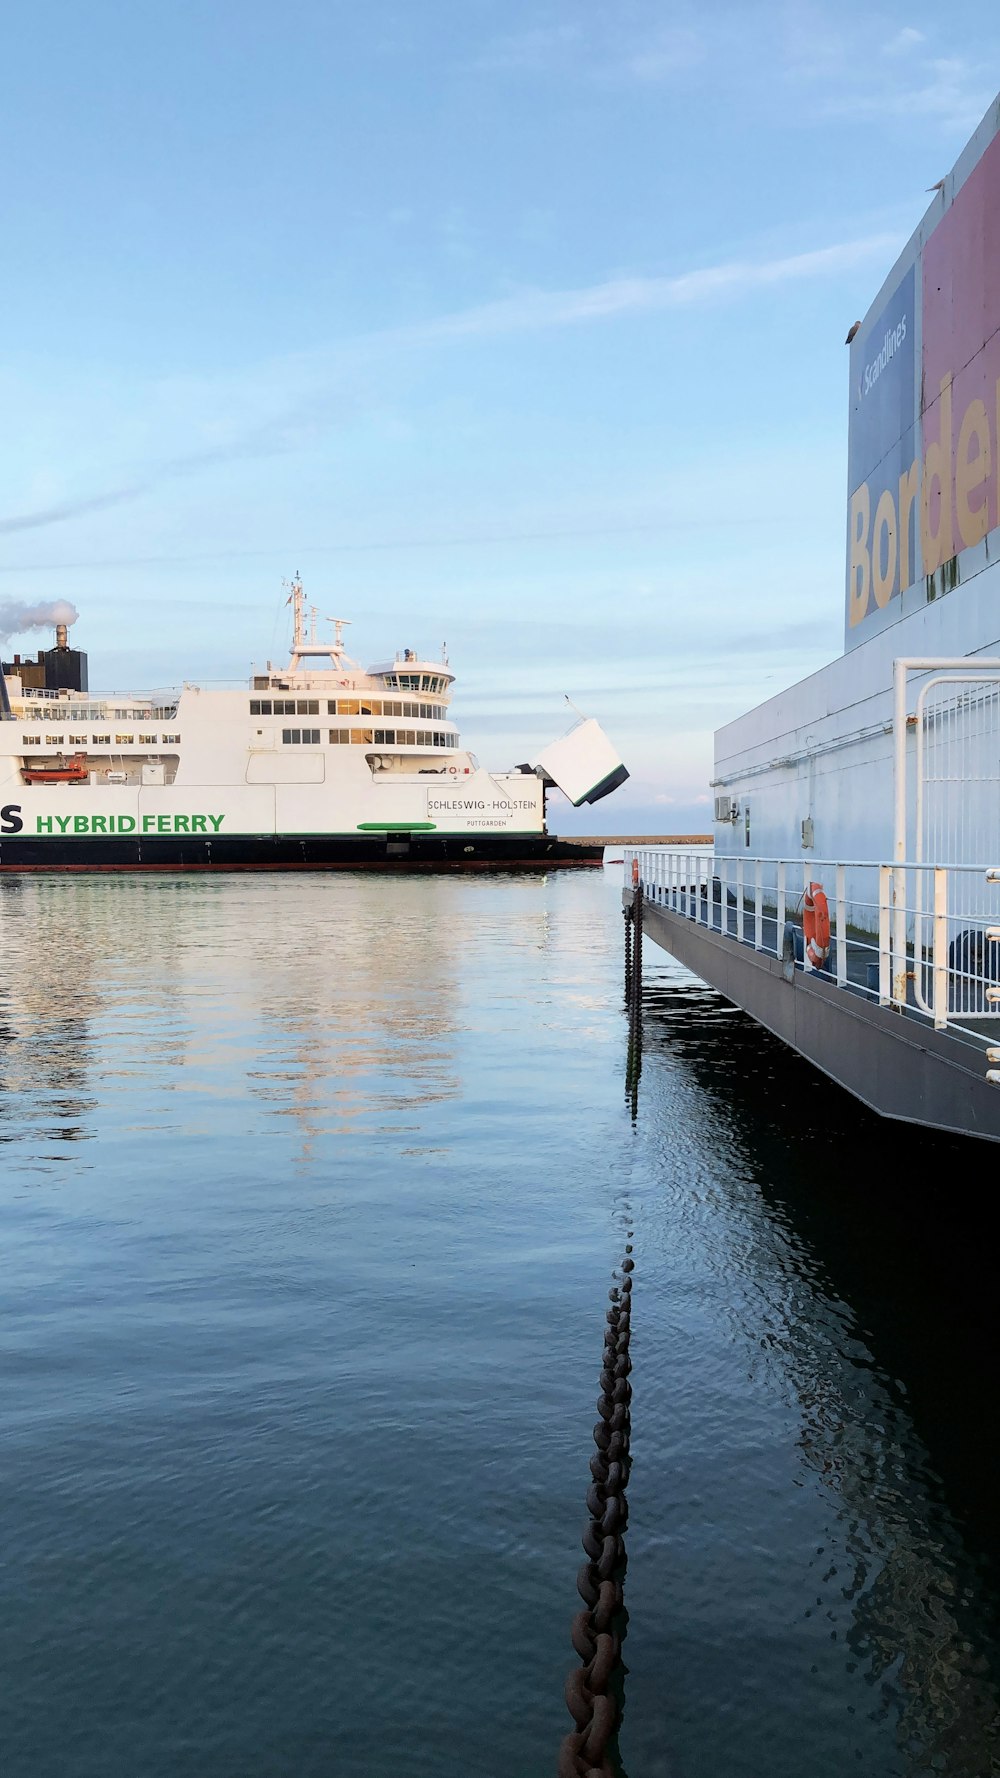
896 1220
886 1230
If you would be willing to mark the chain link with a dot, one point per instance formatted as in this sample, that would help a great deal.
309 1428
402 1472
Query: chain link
593 1688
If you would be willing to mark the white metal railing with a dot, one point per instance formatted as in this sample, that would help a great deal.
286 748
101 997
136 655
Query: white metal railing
913 935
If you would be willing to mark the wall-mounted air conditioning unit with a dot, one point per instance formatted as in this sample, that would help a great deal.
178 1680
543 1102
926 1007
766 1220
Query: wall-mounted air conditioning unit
726 809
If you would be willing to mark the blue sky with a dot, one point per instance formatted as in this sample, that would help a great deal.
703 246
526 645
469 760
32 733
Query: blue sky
517 325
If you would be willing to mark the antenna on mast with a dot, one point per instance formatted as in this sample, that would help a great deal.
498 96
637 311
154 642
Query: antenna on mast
295 601
338 623
309 647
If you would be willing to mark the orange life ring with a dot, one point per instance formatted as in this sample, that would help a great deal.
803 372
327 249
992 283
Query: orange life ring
635 871
816 925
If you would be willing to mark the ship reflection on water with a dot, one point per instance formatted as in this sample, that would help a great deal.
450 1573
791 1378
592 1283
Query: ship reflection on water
311 1189
317 1008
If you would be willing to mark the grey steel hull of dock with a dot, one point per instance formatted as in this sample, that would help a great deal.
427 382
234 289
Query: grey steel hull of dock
898 1066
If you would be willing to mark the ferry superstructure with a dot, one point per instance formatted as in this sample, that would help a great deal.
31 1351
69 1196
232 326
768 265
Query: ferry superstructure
317 764
866 799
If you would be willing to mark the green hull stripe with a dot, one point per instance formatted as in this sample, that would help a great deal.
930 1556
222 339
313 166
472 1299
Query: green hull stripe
397 826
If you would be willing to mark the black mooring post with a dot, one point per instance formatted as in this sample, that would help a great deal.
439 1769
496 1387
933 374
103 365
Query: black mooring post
633 998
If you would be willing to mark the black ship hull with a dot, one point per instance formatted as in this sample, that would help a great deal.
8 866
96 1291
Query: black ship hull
230 852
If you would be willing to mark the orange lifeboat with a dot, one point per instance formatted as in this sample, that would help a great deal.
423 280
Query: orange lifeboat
63 771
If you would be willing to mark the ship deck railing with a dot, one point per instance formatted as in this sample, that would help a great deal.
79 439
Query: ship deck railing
923 938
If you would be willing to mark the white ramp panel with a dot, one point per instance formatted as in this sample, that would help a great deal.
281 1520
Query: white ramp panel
584 764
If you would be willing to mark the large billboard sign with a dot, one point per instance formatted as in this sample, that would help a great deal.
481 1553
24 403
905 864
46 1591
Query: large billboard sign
924 442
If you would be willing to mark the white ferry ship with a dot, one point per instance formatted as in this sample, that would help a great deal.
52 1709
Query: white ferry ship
851 902
320 764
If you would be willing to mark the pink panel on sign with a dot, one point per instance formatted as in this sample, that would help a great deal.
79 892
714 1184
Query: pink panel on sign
961 341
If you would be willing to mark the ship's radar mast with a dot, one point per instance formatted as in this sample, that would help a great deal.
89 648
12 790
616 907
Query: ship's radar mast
308 648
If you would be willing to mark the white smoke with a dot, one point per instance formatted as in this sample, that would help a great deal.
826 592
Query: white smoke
14 618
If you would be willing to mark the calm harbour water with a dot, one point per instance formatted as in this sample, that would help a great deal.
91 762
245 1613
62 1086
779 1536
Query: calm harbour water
311 1190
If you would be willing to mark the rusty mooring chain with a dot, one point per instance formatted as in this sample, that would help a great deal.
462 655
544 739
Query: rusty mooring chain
592 1692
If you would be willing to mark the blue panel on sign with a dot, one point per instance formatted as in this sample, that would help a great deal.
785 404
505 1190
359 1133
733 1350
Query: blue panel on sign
884 396
883 527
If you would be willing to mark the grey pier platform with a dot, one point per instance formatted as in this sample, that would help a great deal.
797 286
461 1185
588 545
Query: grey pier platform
889 1057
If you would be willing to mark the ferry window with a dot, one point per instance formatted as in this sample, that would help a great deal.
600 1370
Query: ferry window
300 737
307 707
362 737
260 706
53 740
78 740
100 740
348 707
31 740
171 740
339 737
391 681
385 737
261 684
147 740
124 740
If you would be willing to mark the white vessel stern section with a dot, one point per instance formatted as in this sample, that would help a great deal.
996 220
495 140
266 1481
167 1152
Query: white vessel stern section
584 764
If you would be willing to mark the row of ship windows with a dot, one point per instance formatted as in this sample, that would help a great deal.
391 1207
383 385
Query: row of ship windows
415 681
94 713
394 681
99 740
370 737
341 707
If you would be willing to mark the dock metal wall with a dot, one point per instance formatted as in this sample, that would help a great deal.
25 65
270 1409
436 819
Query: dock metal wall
897 1067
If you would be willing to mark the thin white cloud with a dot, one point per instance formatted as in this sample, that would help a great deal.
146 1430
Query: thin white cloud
534 310
535 51
947 90
828 60
905 40
281 405
666 53
600 47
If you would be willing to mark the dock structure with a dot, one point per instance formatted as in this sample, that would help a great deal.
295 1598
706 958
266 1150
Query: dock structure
903 1010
